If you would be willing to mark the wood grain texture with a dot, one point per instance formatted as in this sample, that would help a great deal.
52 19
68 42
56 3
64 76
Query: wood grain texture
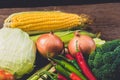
106 15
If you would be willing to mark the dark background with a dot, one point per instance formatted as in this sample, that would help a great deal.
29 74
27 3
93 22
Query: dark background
39 3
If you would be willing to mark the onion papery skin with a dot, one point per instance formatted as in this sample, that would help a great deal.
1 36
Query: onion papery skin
82 43
49 45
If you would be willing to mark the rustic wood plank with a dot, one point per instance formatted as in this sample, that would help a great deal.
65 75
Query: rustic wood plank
106 15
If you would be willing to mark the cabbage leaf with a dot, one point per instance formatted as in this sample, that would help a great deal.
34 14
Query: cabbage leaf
17 51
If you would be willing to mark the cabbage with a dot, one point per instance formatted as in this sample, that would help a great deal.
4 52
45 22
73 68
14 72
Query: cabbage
99 41
17 51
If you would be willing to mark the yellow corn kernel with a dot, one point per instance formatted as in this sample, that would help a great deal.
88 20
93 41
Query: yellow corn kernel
45 21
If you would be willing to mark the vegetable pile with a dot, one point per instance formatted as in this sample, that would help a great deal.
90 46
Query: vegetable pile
73 66
62 40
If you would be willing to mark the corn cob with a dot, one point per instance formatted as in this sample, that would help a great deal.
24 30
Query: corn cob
45 21
66 36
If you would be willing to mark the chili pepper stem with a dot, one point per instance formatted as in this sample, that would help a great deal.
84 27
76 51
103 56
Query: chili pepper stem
69 56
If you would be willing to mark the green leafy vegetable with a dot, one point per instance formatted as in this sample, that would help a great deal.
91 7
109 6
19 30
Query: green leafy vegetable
105 61
17 51
99 41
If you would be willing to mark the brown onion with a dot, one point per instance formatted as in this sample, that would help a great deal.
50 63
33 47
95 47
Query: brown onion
49 45
82 43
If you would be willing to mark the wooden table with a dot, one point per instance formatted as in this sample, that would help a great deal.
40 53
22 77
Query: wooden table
106 15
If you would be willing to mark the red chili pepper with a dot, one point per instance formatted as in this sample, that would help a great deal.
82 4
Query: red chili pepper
61 77
69 56
54 76
73 76
82 64
69 67
66 73
72 60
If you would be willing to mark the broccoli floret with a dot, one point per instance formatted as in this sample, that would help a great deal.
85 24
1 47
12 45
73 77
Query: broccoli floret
109 57
110 45
105 61
97 62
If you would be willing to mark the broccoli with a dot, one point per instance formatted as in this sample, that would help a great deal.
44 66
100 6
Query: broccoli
105 61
